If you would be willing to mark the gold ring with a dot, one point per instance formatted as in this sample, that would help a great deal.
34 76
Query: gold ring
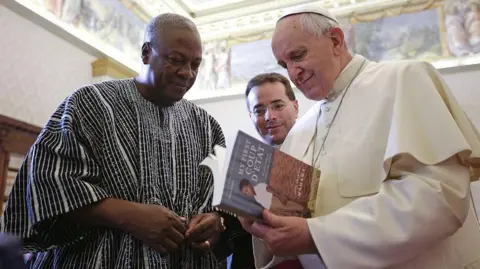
208 243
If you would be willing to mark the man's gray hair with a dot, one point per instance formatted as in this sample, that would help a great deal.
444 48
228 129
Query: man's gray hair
316 24
164 21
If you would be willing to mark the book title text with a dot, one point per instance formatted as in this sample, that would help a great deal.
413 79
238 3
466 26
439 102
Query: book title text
252 157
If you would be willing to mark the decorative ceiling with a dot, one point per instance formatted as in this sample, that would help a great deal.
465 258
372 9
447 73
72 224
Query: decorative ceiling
219 19
207 11
445 32
211 8
115 28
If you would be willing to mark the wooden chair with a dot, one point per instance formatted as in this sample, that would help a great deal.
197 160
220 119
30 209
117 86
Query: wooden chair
16 138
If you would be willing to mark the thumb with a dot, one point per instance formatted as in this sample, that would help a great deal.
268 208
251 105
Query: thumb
271 219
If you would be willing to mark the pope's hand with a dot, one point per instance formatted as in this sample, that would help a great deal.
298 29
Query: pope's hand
284 236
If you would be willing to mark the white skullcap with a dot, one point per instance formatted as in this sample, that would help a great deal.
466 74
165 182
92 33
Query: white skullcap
309 9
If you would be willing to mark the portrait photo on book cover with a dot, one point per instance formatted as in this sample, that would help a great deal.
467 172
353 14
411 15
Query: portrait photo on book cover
292 197
262 177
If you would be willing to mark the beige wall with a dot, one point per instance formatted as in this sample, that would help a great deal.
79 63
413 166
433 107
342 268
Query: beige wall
37 69
465 85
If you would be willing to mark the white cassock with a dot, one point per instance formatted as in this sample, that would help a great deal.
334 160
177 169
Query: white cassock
395 188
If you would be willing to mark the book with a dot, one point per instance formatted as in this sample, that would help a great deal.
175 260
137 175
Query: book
252 176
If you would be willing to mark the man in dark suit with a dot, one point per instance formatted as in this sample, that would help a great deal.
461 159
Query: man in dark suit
272 106
273 109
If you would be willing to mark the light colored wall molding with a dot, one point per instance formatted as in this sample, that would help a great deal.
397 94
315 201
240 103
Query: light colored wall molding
154 8
247 10
99 79
109 68
142 12
249 21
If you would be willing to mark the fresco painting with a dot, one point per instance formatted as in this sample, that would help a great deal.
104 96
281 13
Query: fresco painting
448 30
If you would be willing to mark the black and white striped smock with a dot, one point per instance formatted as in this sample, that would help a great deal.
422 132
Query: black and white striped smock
103 141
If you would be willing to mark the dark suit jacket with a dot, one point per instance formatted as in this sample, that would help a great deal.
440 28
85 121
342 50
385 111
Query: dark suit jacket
242 257
239 242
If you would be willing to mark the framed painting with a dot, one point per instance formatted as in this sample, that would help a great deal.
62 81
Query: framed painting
417 34
462 25
252 58
214 73
228 65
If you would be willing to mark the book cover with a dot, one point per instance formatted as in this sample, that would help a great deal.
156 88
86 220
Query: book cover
252 175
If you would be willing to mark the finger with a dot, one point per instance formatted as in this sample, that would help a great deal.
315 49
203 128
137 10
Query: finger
159 248
209 230
198 248
176 236
196 229
272 220
246 224
202 246
201 237
172 214
168 244
179 225
194 222
260 230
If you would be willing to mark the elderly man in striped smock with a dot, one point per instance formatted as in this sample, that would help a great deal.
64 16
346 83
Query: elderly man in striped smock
113 180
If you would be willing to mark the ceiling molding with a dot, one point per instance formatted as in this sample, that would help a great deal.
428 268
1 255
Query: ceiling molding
178 7
270 6
139 10
148 9
265 21
249 16
151 7
199 5
226 8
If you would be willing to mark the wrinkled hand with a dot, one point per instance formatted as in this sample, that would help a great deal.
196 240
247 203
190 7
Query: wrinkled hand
204 231
157 227
283 236
247 225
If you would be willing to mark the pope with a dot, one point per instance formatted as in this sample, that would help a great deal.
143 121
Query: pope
397 156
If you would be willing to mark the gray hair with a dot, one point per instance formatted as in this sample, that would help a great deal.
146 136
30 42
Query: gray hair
160 23
316 24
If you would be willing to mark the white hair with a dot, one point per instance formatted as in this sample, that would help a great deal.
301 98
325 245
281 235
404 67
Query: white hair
316 24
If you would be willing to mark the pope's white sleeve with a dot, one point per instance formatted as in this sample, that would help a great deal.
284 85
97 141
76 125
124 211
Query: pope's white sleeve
405 218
